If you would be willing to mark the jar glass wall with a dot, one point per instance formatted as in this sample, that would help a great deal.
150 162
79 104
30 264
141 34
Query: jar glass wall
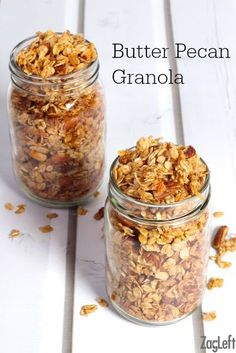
156 255
57 131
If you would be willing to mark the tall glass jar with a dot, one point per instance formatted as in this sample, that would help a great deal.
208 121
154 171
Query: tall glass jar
156 255
57 131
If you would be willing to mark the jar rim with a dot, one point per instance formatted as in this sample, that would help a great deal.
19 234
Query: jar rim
15 70
156 205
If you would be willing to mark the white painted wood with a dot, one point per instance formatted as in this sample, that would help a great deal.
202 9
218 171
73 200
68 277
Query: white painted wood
32 268
208 101
132 111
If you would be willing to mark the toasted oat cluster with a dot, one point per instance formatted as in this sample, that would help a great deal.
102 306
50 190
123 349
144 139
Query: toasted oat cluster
156 270
53 54
58 129
215 283
160 172
209 316
88 309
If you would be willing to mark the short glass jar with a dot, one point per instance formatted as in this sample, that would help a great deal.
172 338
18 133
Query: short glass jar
57 130
156 255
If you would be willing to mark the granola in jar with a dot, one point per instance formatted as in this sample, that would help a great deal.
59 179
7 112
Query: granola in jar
56 108
156 230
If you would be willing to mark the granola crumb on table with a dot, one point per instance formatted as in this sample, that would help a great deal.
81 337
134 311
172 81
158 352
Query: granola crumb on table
209 316
52 215
157 272
81 211
215 283
102 302
46 229
14 233
9 206
59 124
20 209
88 309
99 214
222 245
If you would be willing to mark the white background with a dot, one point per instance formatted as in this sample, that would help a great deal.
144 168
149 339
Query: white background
41 289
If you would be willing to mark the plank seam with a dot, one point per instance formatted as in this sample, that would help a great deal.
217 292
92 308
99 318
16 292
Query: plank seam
177 110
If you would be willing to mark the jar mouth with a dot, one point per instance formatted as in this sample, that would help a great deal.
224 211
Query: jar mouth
88 74
157 205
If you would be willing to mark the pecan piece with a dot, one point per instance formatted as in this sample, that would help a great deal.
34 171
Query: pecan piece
220 236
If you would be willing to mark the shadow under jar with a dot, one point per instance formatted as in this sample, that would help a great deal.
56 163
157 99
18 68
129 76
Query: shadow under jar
57 130
156 255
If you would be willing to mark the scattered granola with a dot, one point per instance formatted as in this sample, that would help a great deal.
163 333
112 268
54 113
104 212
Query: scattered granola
218 214
222 246
81 211
58 119
209 316
215 283
100 214
9 206
14 233
46 229
52 215
20 209
156 261
102 302
96 194
88 309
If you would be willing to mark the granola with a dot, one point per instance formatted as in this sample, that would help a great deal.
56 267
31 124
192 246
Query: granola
156 262
160 172
9 206
57 112
88 309
215 283
102 302
81 211
218 214
209 316
99 214
46 229
20 209
222 245
52 215
14 233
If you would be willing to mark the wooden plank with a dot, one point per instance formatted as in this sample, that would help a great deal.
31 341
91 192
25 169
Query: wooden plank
33 267
132 111
208 103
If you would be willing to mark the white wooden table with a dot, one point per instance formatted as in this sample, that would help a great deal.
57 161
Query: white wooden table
45 278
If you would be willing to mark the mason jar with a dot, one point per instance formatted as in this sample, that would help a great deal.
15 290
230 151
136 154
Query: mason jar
57 130
156 255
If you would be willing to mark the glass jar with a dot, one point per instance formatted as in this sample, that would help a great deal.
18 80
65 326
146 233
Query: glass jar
156 255
57 131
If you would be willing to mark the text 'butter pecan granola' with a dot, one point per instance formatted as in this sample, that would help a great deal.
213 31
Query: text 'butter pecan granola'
157 247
